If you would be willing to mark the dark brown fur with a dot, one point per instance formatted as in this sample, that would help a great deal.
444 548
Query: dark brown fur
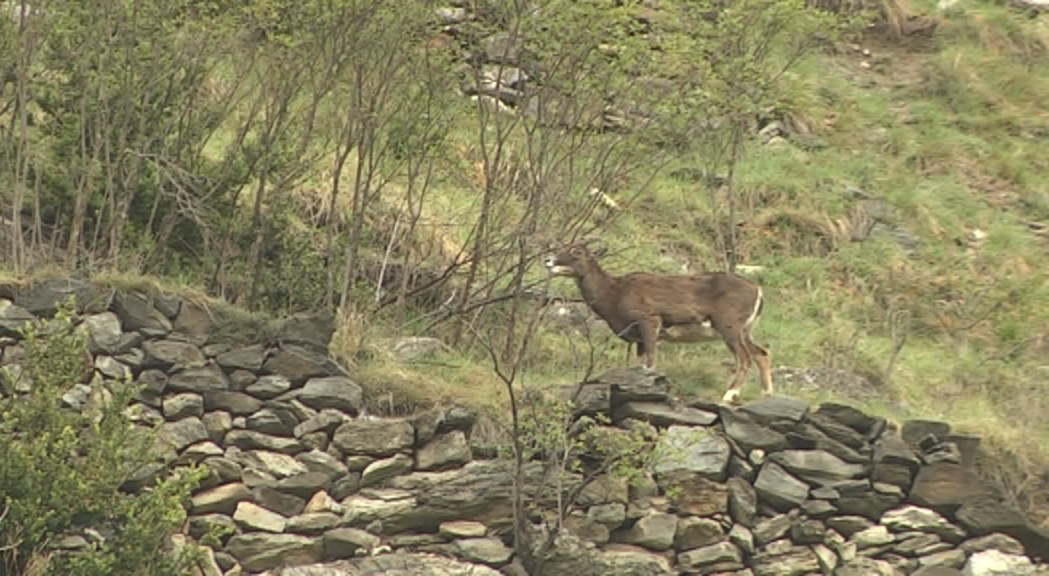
641 307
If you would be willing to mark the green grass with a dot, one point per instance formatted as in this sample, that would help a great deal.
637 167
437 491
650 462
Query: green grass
964 159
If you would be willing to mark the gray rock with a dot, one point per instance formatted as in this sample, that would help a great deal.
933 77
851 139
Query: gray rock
222 471
807 532
165 354
792 561
199 526
287 505
867 567
274 463
445 451
772 529
918 544
217 425
311 330
743 538
749 434
691 450
251 440
713 555
987 514
695 495
254 518
872 537
327 421
816 466
346 542
400 564
936 571
257 551
181 433
197 453
947 558
462 529
663 415
820 441
313 523
266 421
894 462
152 383
742 502
771 408
635 384
997 563
374 437
945 486
335 392
183 405
610 514
996 541
304 485
654 530
105 335
343 487
221 499
838 431
381 470
912 518
848 525
235 403
299 364
13 318
112 369
136 312
317 461
268 386
198 379
848 416
695 532
779 489
248 358
868 503
76 396
487 550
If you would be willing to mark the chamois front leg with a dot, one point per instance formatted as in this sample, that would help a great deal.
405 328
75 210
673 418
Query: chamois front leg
649 333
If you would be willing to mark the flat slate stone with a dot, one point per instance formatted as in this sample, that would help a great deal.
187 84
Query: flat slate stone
772 408
663 415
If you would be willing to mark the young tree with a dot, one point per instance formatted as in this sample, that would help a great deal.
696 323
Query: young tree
61 469
738 55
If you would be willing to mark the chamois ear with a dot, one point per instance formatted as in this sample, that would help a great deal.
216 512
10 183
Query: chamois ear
599 251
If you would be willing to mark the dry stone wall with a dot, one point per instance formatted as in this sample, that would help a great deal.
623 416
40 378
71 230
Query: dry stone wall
301 483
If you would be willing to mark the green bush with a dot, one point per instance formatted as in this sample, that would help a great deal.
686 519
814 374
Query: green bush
61 469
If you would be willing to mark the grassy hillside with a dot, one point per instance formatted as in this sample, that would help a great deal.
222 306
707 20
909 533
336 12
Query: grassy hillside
907 210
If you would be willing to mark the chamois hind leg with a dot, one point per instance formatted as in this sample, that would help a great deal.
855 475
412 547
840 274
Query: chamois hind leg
737 345
764 361
649 332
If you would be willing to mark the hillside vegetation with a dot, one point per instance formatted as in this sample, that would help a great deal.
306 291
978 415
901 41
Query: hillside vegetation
883 175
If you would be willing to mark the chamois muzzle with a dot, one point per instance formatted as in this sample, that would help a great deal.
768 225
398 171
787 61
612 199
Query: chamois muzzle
556 267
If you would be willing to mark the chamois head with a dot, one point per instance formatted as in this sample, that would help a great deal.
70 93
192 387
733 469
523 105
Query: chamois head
574 260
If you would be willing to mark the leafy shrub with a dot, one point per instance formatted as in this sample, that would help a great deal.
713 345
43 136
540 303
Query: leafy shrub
61 469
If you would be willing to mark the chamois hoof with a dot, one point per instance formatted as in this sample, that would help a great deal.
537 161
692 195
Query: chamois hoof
732 397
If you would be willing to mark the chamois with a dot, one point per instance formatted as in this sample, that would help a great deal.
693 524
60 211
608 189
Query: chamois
642 308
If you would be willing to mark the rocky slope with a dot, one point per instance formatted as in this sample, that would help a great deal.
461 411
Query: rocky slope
301 483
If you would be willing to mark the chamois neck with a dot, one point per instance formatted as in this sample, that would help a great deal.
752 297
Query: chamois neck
595 285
